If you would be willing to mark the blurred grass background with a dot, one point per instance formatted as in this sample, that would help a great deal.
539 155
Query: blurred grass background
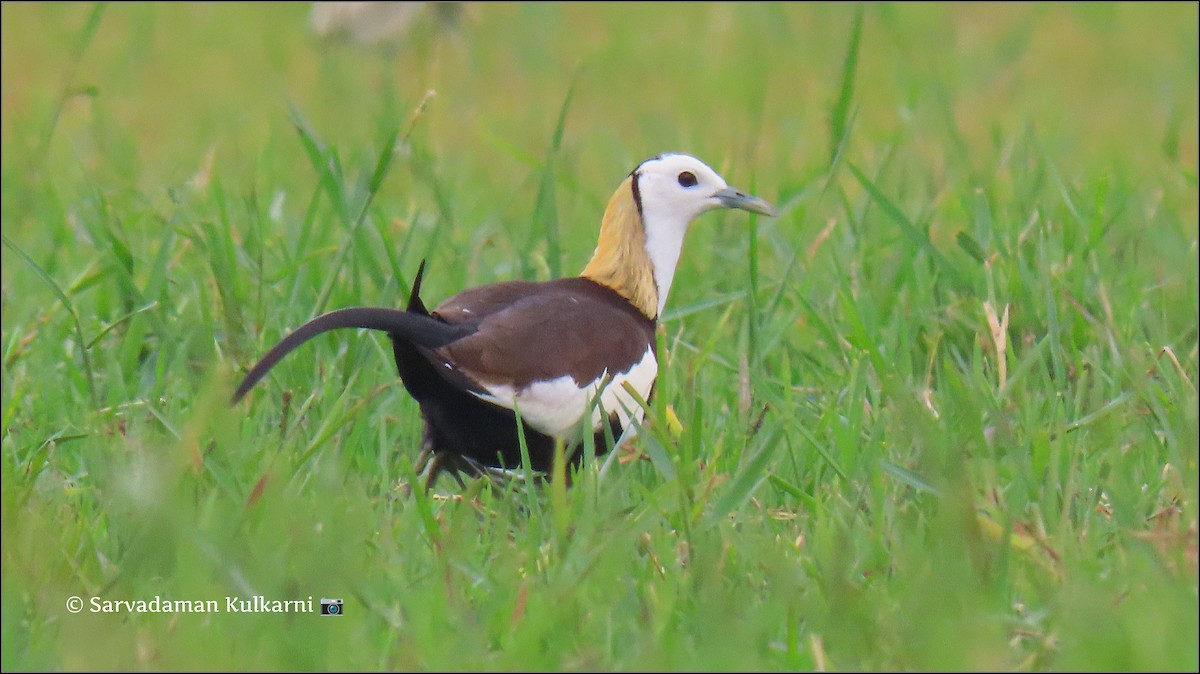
941 414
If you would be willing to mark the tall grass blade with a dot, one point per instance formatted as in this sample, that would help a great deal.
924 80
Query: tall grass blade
79 47
917 238
841 118
70 307
752 473
545 211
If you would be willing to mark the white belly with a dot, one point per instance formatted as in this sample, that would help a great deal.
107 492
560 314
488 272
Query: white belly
555 407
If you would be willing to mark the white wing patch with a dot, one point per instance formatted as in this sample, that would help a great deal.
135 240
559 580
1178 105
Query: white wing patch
555 407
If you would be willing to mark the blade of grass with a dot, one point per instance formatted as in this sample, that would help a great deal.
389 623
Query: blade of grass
917 238
70 307
109 328
840 119
382 164
79 46
526 463
908 477
315 149
545 210
747 479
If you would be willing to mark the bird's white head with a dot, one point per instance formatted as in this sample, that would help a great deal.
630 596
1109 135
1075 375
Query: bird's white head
643 228
672 187
672 190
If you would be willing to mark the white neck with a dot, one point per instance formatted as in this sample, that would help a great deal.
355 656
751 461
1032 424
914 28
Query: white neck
664 241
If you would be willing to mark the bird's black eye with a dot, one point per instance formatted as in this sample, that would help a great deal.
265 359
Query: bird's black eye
687 179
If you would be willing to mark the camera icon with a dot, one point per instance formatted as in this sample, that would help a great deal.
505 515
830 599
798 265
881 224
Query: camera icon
331 606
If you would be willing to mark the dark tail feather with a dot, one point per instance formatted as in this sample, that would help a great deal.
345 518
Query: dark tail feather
414 297
415 327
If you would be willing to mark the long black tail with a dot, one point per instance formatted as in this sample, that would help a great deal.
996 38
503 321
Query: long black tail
420 329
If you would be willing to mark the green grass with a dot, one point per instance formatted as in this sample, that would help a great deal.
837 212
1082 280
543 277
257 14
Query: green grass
940 414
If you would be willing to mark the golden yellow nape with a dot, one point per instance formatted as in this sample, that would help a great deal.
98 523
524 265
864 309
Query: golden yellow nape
621 261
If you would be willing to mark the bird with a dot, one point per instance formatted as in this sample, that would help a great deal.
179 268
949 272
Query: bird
370 23
538 356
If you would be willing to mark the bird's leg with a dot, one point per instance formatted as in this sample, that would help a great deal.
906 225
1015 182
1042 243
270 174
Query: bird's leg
429 466
498 476
424 458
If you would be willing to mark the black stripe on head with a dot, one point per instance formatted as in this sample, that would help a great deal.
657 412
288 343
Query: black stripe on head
636 174
637 192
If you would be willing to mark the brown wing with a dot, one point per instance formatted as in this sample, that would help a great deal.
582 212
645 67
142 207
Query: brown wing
527 332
